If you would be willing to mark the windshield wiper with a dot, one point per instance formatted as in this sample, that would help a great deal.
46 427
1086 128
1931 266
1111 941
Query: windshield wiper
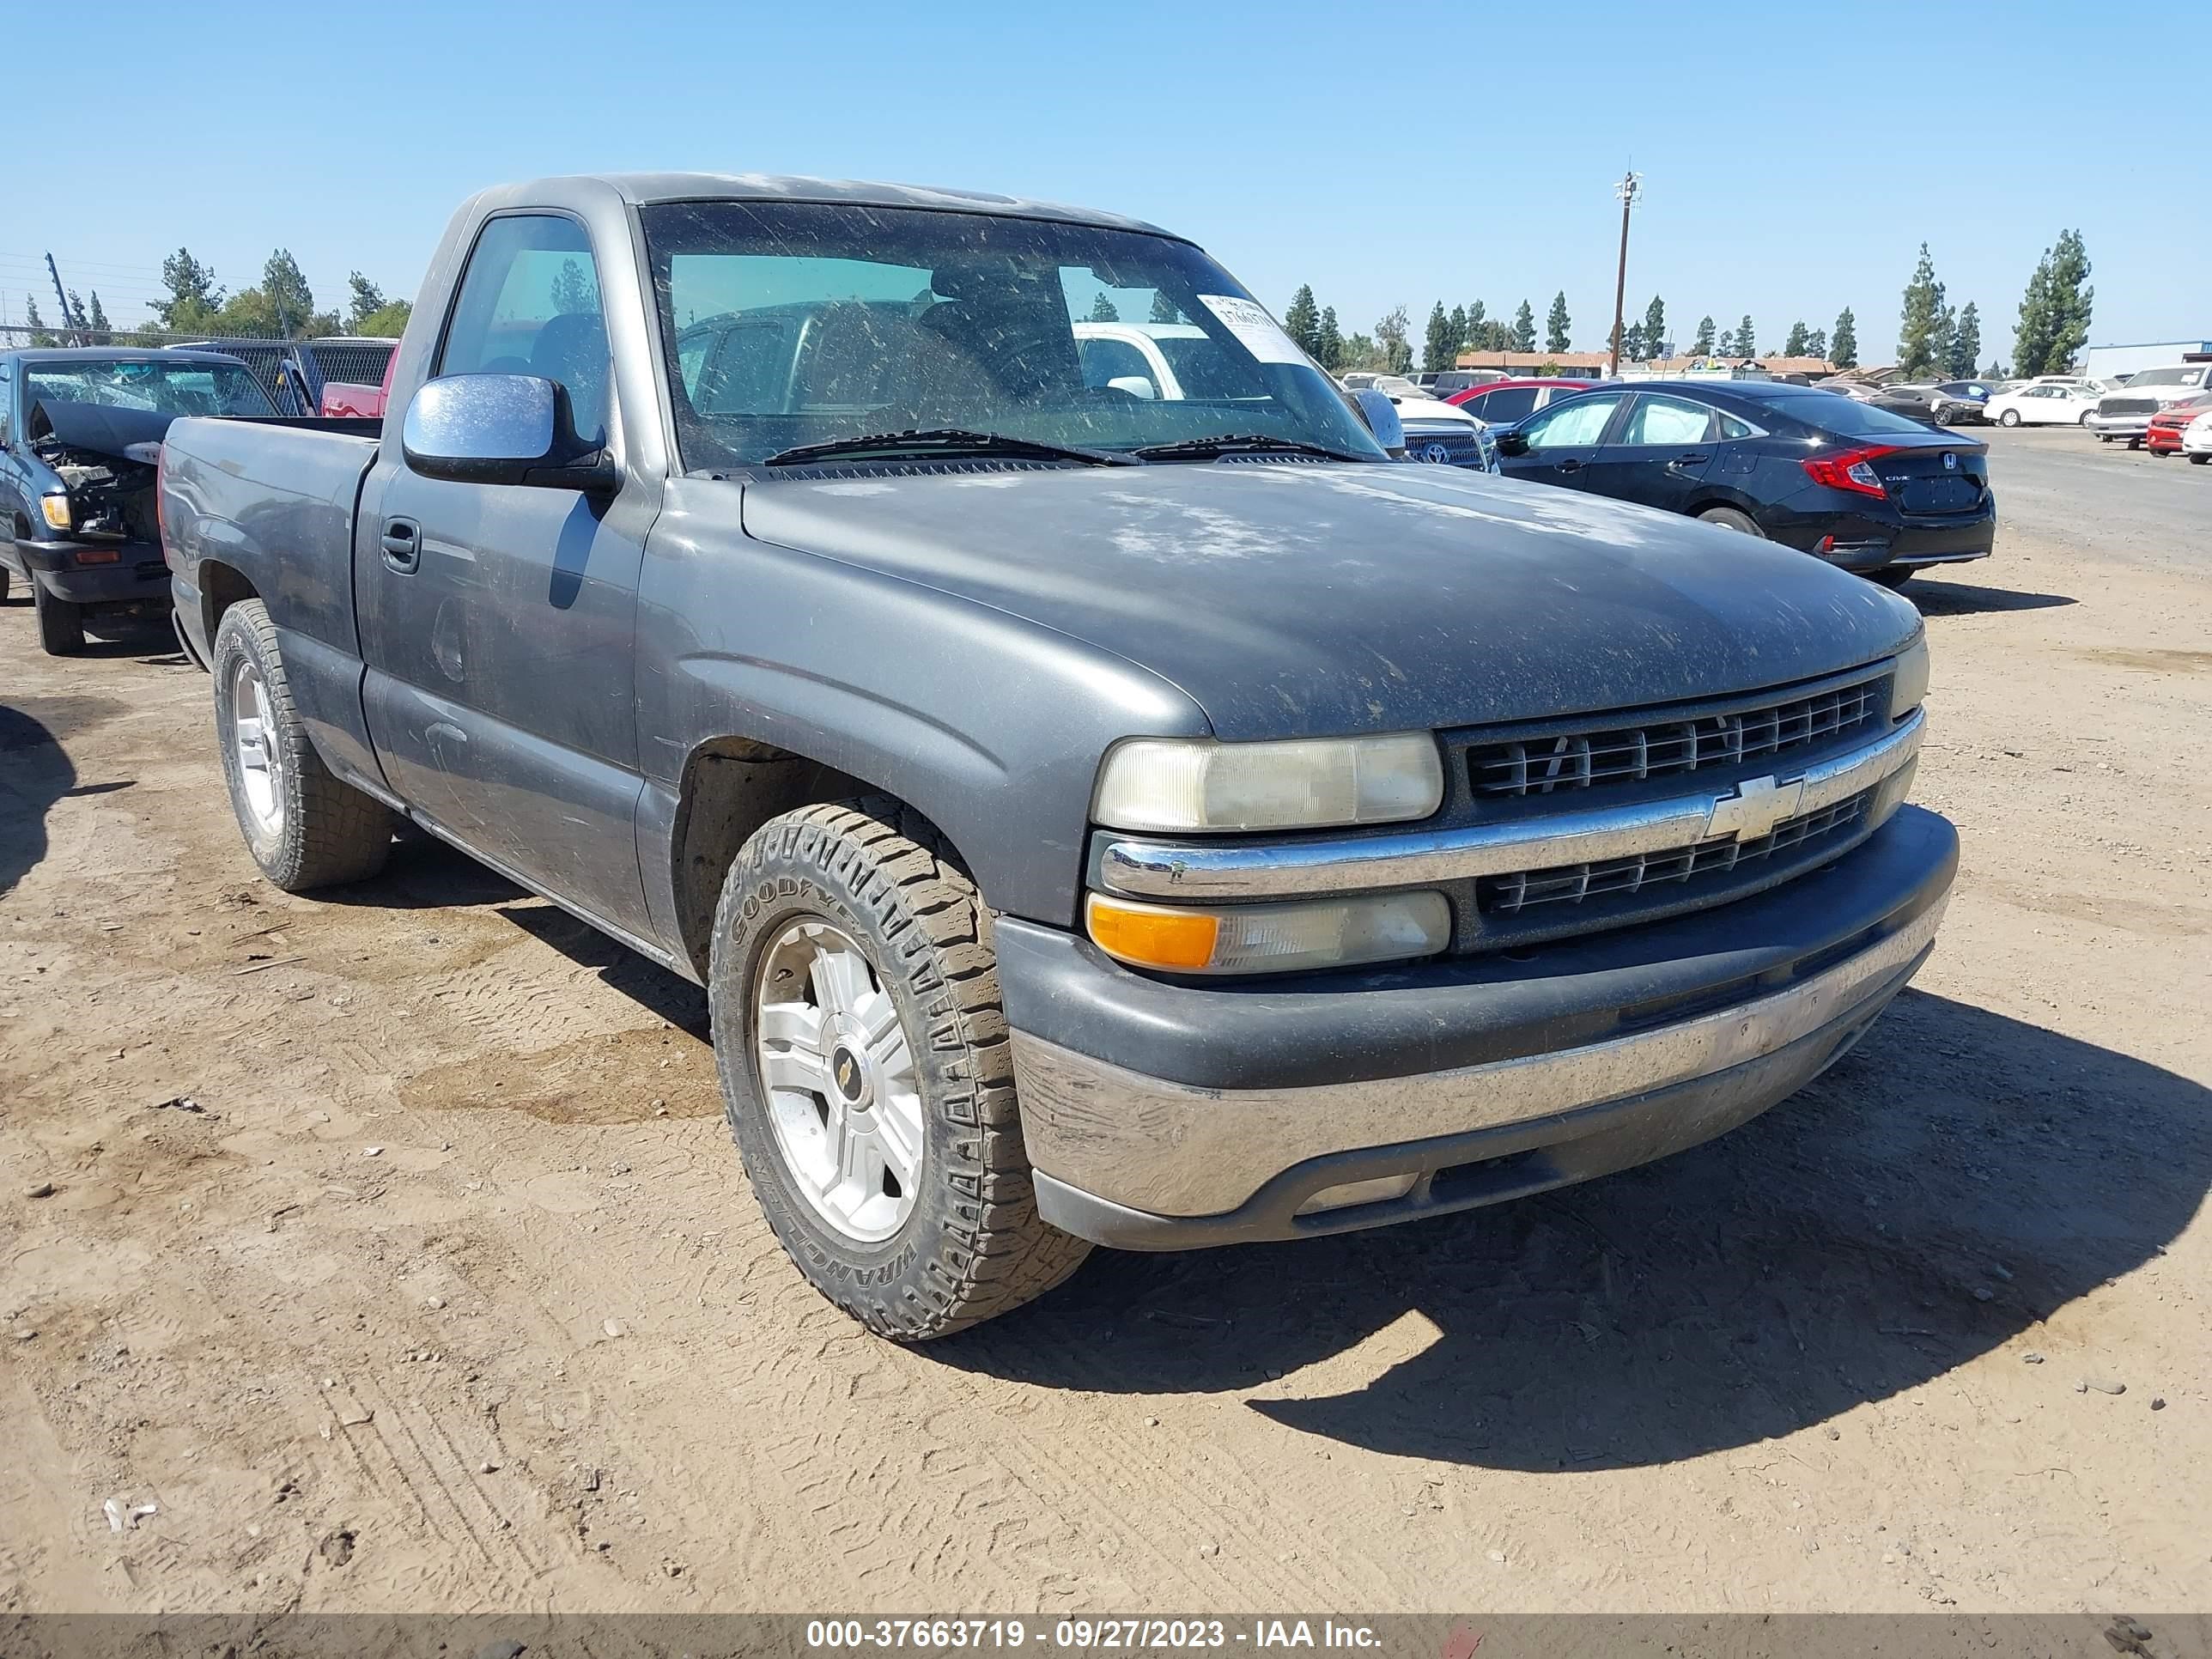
1230 443
946 441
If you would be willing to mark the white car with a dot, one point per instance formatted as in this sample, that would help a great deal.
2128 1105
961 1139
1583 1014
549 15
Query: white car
1170 362
1436 432
2044 403
2197 439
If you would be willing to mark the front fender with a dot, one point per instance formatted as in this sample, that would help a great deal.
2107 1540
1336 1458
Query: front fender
990 726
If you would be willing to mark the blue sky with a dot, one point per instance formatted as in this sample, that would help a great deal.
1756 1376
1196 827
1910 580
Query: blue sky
1795 158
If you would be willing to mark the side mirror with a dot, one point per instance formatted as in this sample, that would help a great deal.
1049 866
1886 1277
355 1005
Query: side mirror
1137 386
1381 416
500 429
1510 442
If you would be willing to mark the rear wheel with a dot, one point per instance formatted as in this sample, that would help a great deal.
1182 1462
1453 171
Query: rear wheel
1893 577
304 827
866 1074
2010 417
1729 519
7 578
61 623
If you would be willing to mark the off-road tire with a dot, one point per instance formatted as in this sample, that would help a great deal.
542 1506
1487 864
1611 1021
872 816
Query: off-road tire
973 1246
61 623
1729 519
331 832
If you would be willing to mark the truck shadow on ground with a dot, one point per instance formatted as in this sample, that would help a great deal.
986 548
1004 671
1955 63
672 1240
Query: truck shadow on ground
35 772
1958 1178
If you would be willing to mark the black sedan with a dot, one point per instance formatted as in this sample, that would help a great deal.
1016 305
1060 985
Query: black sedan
1864 488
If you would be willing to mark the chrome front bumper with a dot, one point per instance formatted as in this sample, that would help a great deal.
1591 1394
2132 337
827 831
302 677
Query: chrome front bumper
1140 1161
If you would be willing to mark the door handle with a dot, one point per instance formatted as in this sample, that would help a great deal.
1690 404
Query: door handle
402 544
1571 465
1689 461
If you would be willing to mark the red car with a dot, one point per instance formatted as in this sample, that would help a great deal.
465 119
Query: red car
2165 435
344 398
1501 402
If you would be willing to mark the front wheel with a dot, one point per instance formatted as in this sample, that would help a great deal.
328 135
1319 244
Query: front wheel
2010 417
2084 422
61 623
304 827
1729 519
867 1075
2199 460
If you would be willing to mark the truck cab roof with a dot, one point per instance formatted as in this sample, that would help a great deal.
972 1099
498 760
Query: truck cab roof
640 189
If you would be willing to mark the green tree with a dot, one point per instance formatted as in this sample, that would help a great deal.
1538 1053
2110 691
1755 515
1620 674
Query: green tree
2054 314
1920 321
1655 327
1438 346
1458 331
1103 310
1328 343
289 296
1965 342
1556 325
1524 329
1164 310
1361 354
95 319
1795 344
367 300
1478 325
194 296
1302 322
1634 348
1702 345
1392 340
1844 343
40 334
1747 339
387 322
1816 344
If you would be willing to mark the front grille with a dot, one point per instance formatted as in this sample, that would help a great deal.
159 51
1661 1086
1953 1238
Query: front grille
1461 447
1806 837
2127 405
1622 753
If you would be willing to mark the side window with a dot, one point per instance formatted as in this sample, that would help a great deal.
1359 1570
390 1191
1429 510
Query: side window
529 305
1732 428
1501 408
1667 421
1580 421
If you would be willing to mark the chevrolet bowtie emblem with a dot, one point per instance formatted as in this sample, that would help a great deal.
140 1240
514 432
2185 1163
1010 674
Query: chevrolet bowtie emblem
1757 806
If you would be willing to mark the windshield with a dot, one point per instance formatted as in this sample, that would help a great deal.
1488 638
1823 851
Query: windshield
790 324
185 388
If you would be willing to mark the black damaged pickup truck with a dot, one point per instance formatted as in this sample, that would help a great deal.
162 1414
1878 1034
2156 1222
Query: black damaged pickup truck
1097 814
81 431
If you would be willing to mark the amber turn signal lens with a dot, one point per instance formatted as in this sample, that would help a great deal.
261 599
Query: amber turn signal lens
1151 935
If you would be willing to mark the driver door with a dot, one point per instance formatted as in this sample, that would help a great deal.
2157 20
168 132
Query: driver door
498 619
1562 441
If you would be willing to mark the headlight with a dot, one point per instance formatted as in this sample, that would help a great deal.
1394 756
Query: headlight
1150 783
1270 938
56 509
1908 687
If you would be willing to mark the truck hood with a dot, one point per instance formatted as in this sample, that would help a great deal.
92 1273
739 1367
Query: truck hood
1292 600
124 435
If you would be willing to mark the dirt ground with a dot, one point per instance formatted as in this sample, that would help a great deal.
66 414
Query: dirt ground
397 1254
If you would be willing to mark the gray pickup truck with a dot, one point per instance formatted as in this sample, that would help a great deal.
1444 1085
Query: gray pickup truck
1095 817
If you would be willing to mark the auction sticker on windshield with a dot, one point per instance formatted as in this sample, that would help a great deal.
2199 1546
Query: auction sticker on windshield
1262 335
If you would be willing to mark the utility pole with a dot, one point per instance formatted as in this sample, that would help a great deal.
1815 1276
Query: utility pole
61 299
1630 187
